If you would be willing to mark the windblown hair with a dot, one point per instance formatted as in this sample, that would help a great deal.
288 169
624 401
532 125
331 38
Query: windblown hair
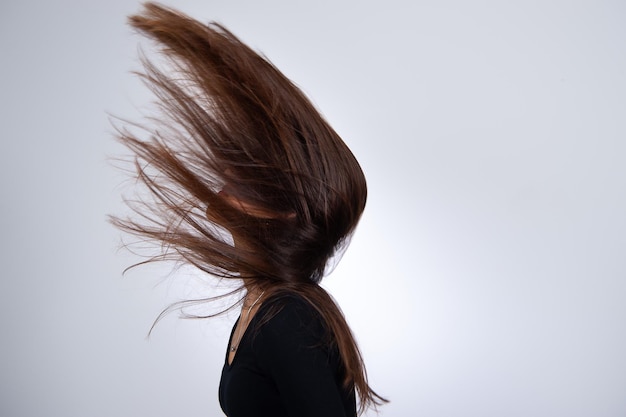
236 129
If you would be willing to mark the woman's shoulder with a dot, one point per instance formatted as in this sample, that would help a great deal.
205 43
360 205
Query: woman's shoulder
290 325
291 310
290 314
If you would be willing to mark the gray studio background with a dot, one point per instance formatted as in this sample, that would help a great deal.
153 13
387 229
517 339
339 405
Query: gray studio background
487 277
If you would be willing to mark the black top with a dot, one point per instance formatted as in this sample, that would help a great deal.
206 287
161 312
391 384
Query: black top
280 368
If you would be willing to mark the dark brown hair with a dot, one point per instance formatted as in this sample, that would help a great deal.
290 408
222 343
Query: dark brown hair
235 128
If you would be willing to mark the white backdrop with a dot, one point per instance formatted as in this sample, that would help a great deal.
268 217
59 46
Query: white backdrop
487 277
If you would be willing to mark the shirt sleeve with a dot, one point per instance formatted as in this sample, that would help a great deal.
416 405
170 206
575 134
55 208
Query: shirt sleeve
305 373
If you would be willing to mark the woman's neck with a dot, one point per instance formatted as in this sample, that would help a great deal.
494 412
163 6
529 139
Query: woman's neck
253 296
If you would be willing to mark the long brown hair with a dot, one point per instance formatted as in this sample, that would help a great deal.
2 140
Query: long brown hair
234 127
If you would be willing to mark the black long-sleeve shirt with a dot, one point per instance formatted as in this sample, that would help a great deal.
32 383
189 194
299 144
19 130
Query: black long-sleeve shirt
282 369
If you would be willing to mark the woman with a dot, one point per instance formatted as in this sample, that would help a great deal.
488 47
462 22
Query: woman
251 183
